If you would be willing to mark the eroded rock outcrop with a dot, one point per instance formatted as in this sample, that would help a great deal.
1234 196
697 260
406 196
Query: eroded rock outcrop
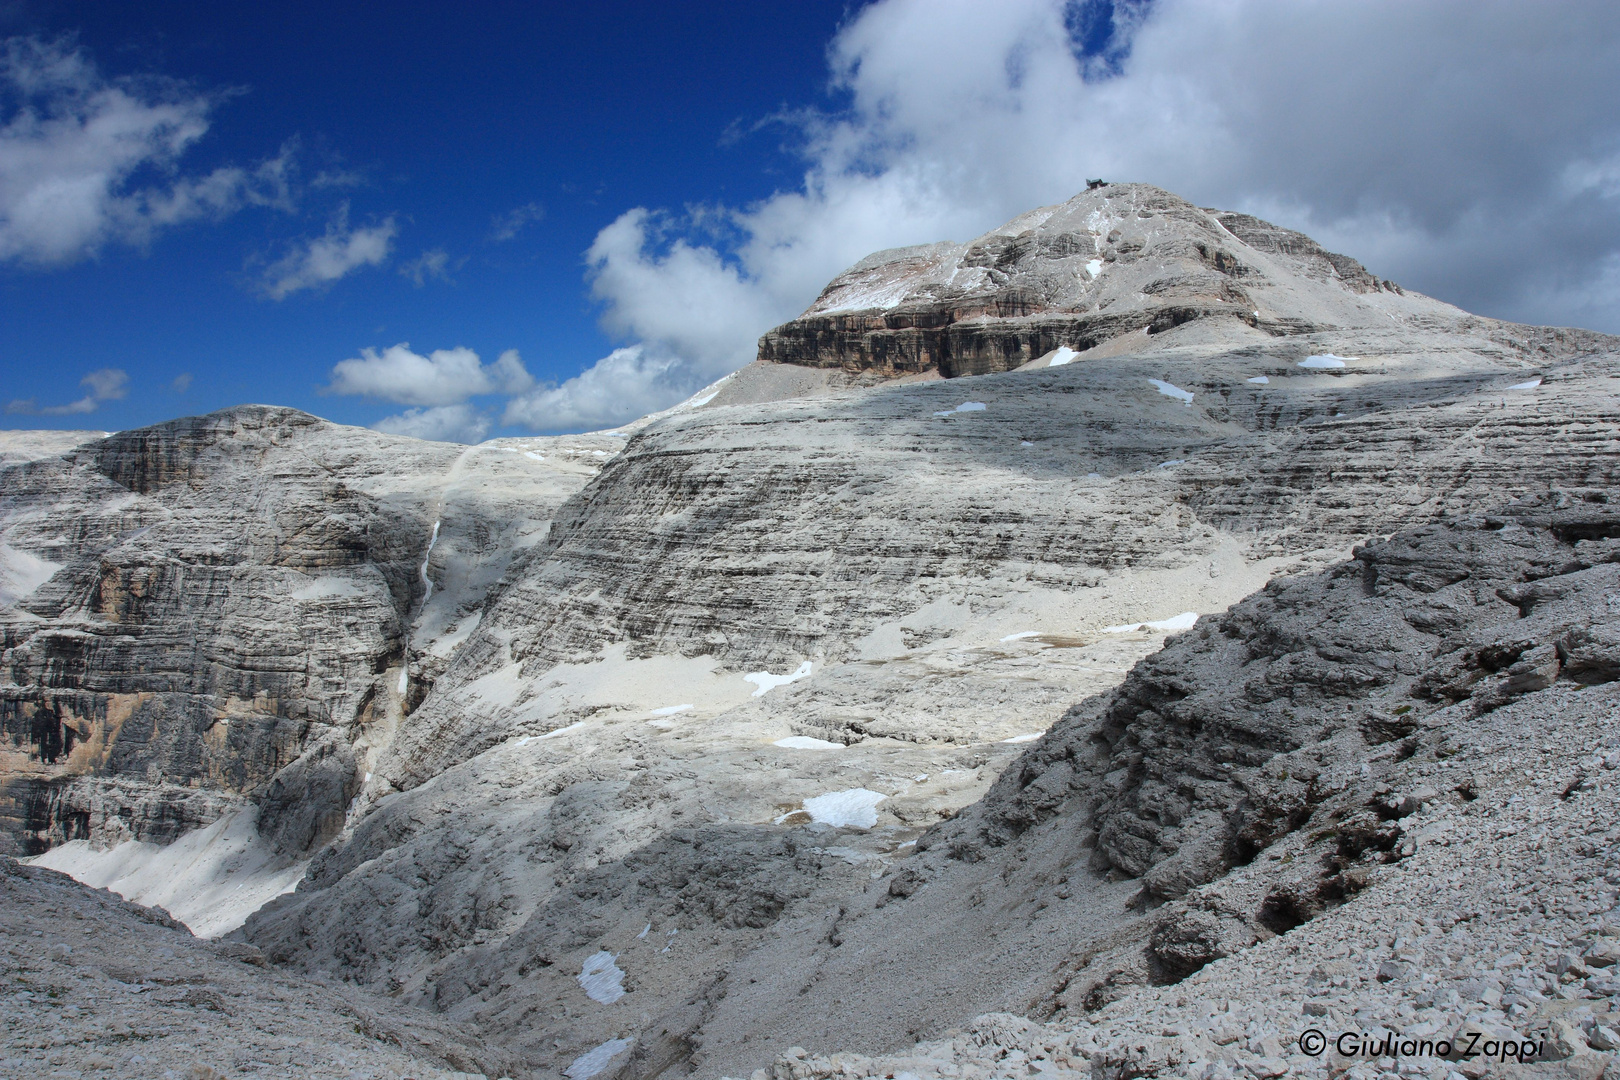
219 610
1116 260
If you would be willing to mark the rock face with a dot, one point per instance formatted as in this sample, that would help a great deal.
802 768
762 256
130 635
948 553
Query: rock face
1382 790
96 984
219 609
709 737
1117 260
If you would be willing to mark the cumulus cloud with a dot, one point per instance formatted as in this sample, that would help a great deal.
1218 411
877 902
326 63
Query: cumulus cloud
441 423
73 141
1469 150
627 383
504 227
313 262
103 384
443 377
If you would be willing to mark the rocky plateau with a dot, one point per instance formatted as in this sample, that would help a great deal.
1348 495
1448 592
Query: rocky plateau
1113 645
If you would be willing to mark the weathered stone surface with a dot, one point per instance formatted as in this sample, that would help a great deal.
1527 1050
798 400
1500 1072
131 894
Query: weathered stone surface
576 764
1115 261
225 605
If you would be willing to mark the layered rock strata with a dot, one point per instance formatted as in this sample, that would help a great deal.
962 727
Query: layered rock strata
1113 261
218 609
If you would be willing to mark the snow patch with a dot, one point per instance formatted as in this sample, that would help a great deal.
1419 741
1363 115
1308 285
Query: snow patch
1531 385
671 710
766 681
527 739
1325 360
805 742
1184 621
1064 355
532 454
22 573
594 1061
1173 391
1260 379
1022 636
855 808
1094 267
211 879
1172 461
702 401
966 406
1030 737
601 979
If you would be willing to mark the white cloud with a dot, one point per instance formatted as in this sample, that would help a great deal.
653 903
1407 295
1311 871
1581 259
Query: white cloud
626 384
104 384
443 377
1469 150
442 423
71 141
504 227
433 263
312 263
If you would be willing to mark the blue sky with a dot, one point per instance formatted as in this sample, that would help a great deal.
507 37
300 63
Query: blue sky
364 214
544 121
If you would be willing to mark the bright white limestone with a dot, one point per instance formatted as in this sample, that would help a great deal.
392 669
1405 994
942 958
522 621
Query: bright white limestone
1260 379
855 808
1171 390
766 681
427 594
1184 621
805 742
594 1061
1325 360
601 979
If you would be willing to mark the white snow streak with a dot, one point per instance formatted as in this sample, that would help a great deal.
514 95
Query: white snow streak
1261 379
1531 385
671 710
766 681
1184 621
1171 390
1064 355
1325 360
594 1061
805 742
601 979
966 406
1022 636
1030 737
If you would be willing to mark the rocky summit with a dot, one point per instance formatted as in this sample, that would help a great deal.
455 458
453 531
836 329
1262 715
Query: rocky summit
1124 644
